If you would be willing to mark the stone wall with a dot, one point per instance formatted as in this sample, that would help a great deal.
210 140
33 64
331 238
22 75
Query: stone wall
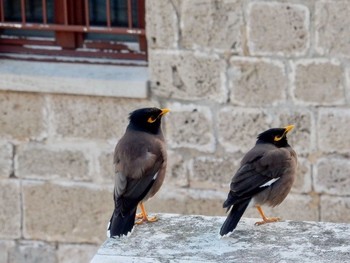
228 70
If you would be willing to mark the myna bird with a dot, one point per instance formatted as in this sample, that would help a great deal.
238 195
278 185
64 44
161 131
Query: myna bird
140 160
266 175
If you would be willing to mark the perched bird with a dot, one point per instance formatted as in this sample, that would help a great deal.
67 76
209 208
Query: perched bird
140 160
266 175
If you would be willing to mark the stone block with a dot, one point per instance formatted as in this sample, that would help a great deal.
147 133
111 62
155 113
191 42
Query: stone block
331 28
6 162
33 252
318 82
10 209
187 201
92 117
302 137
335 209
213 172
257 82
5 248
177 169
66 212
75 253
278 29
332 176
170 78
162 25
210 24
303 180
294 207
238 127
106 167
49 162
190 126
22 116
332 134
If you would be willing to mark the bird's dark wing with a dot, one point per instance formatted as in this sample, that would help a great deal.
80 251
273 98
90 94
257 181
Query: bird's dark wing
259 169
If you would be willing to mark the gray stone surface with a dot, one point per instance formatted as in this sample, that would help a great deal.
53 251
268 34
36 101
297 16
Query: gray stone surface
335 208
66 212
332 31
238 127
332 134
170 79
6 161
190 126
278 28
5 247
33 252
319 82
206 24
73 253
250 79
49 162
92 117
177 238
10 210
22 116
303 181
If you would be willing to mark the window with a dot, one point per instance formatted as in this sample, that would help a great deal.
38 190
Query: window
77 28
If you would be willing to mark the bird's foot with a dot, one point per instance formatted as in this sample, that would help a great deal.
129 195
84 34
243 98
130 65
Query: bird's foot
139 216
267 220
148 219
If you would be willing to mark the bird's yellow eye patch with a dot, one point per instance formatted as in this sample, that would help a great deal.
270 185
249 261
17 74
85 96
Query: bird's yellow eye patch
276 139
151 119
287 129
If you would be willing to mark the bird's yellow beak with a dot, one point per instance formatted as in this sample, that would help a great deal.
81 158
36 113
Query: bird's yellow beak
164 111
286 130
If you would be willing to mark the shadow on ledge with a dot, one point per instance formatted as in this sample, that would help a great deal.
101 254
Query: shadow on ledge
180 238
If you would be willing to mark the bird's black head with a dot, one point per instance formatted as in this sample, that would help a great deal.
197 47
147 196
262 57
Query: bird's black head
147 119
276 136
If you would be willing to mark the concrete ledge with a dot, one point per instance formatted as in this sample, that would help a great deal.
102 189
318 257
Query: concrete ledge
74 78
179 238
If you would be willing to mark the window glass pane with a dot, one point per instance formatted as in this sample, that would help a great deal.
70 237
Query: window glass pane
33 11
119 13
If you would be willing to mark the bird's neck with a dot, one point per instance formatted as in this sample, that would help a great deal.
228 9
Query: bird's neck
152 130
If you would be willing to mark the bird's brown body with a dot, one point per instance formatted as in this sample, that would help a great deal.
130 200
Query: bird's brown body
265 177
140 160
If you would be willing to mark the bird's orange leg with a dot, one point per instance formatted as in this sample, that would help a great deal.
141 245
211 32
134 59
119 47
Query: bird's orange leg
264 218
143 217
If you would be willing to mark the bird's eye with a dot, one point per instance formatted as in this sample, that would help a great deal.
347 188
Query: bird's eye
278 138
151 119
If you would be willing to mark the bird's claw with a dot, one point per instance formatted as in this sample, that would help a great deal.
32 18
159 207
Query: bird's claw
267 220
148 219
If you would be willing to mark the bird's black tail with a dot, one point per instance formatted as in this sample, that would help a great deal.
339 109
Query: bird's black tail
234 216
121 223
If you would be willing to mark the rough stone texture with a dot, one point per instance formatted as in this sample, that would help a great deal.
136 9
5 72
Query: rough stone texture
278 28
187 201
332 30
209 172
162 24
198 241
6 152
333 136
51 162
10 211
177 170
190 127
92 117
22 116
170 79
251 79
318 82
294 207
106 167
239 127
206 23
33 252
335 209
5 248
75 253
332 176
303 180
66 212
302 137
